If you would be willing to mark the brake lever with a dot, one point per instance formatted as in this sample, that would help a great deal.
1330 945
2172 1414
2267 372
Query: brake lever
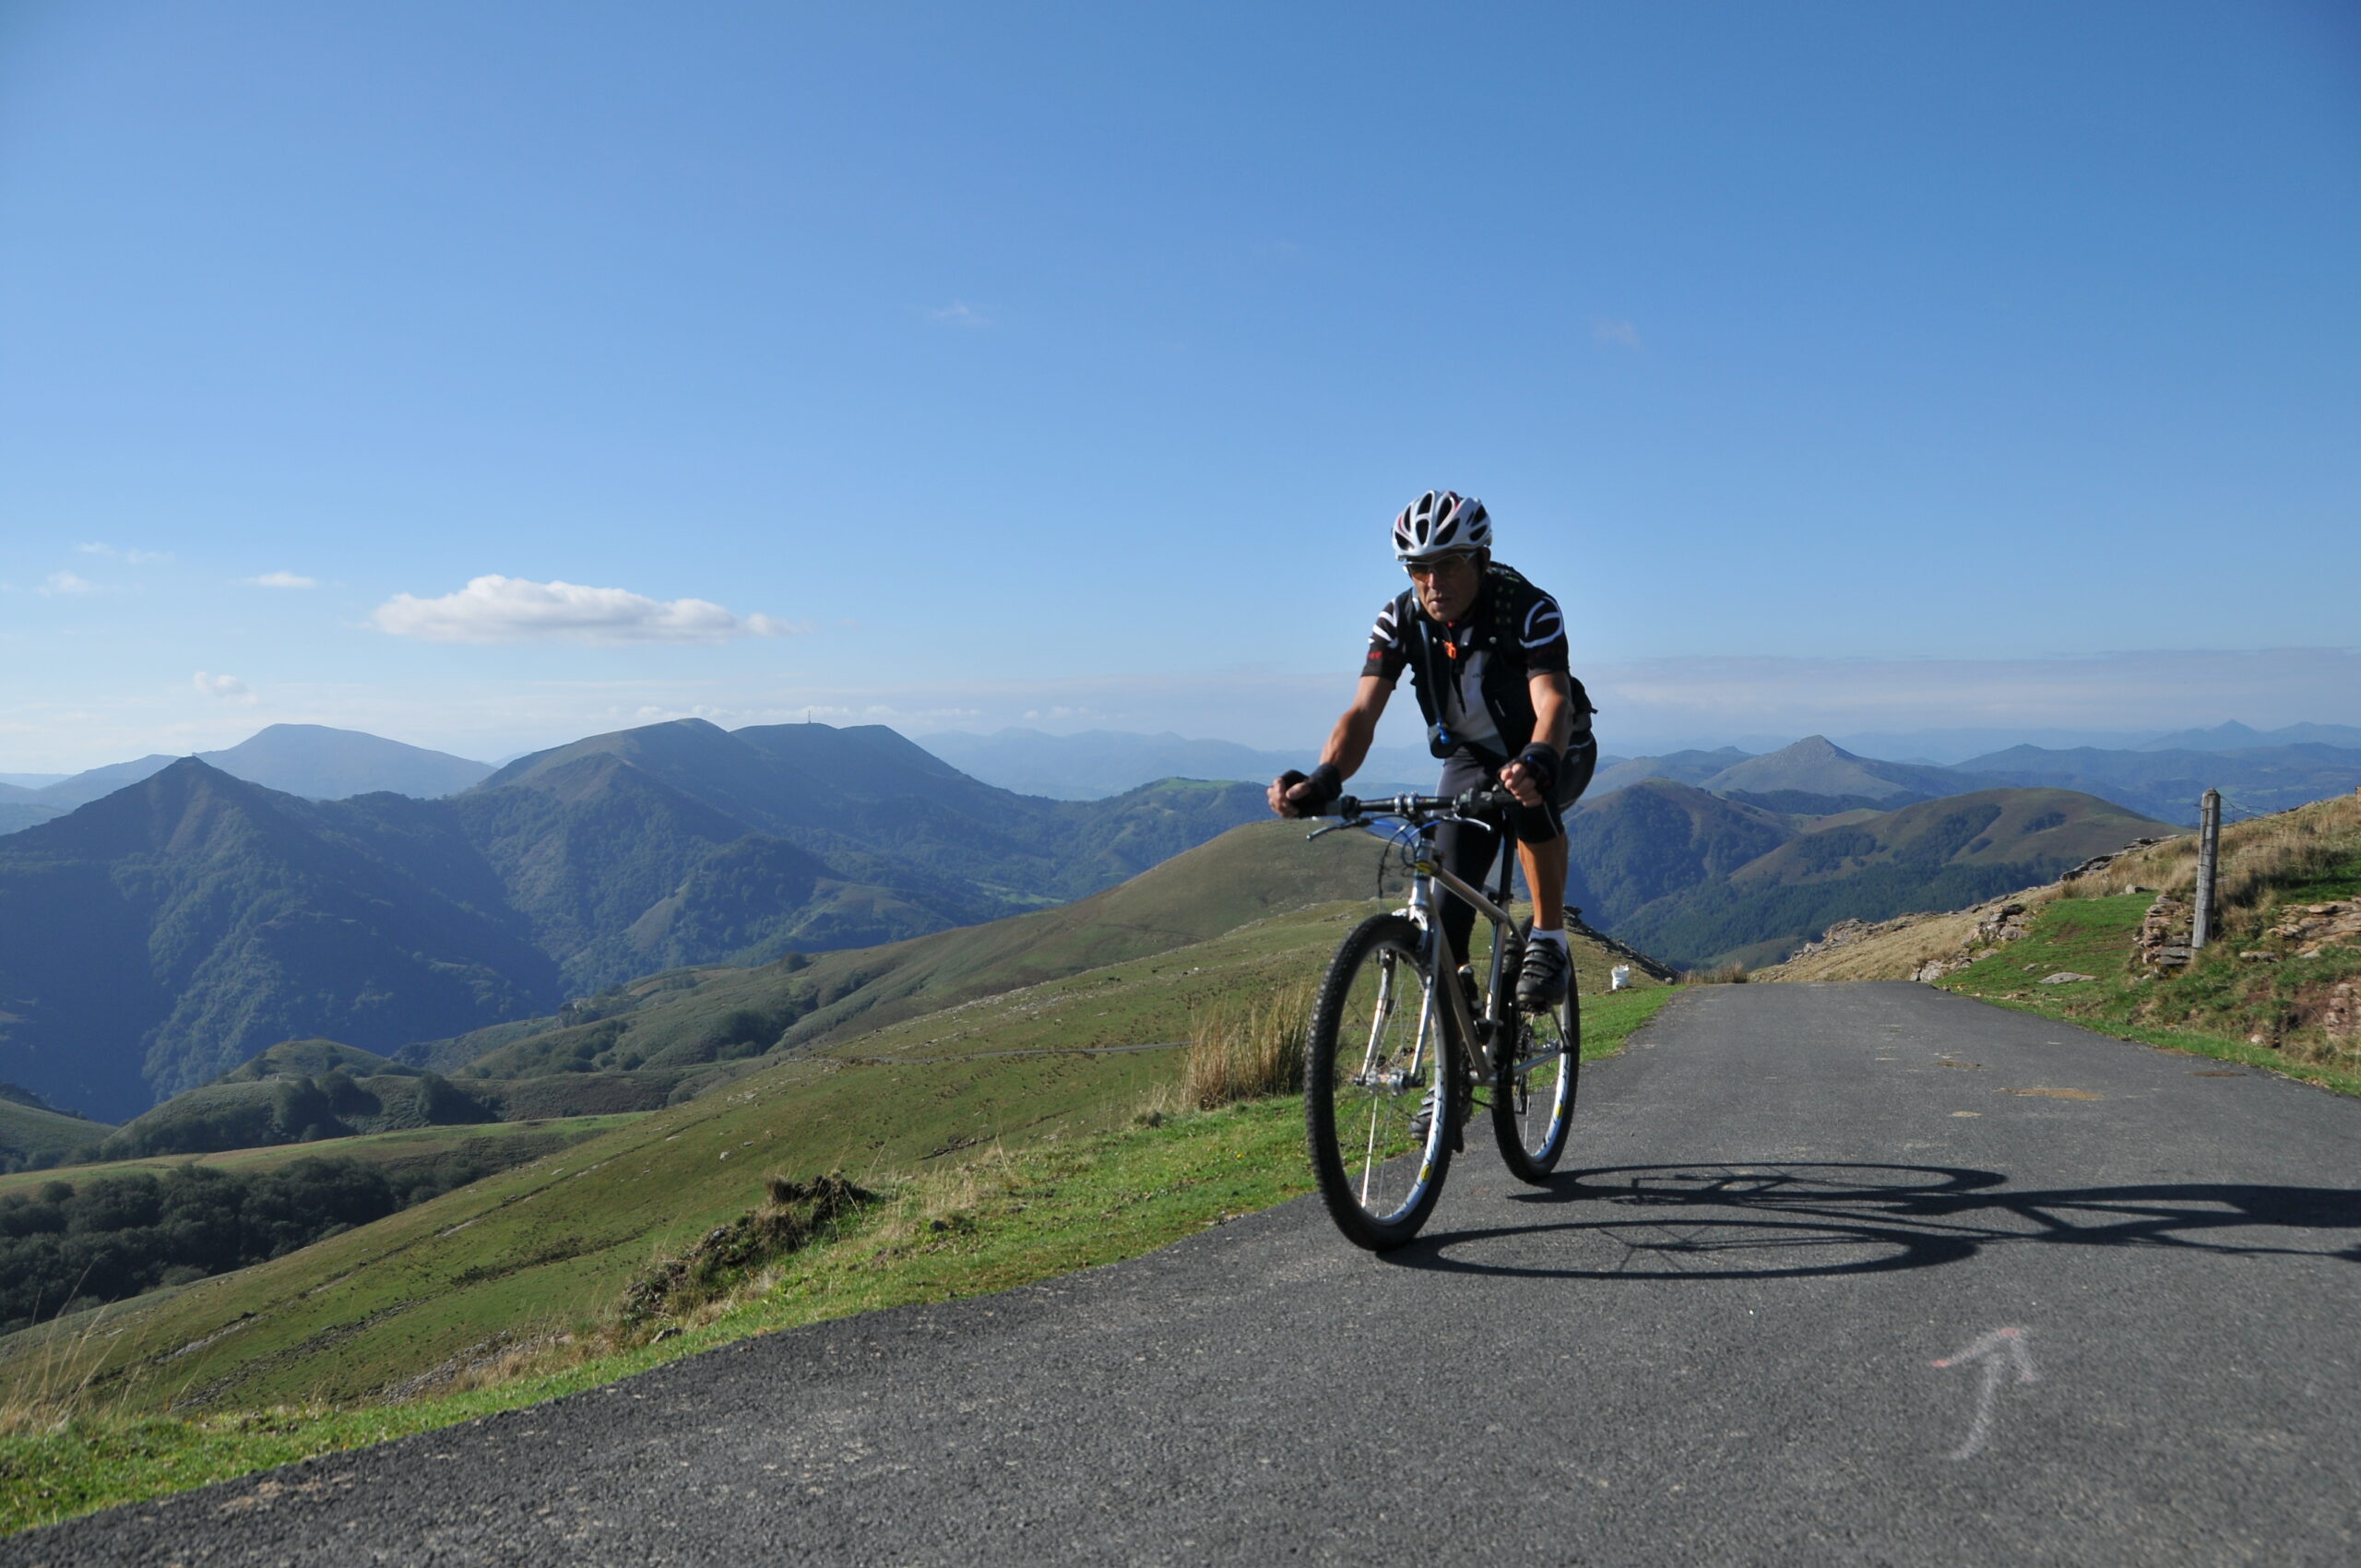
1348 808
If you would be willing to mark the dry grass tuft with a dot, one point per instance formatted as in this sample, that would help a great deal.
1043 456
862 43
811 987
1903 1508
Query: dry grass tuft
1246 1050
55 1387
2258 856
1723 974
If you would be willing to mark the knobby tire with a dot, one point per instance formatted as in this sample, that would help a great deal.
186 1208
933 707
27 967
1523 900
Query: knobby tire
1379 1179
1533 1097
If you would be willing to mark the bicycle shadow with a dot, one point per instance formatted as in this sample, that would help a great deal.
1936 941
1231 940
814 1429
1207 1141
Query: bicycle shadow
1780 1219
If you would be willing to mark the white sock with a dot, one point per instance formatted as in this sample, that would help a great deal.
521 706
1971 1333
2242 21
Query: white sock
1555 937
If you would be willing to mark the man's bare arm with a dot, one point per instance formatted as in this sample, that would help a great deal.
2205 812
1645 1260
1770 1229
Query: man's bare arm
1553 726
1346 749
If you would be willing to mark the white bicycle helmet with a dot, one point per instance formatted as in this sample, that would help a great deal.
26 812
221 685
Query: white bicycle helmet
1440 522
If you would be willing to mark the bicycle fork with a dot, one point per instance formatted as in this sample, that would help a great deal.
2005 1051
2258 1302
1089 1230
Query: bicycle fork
1489 1040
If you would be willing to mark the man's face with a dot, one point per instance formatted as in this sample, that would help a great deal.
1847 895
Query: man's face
1446 585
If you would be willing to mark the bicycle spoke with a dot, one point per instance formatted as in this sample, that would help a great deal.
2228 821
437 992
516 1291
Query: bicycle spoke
1374 1060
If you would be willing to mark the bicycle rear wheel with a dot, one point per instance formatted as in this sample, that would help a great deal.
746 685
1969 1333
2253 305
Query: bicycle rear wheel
1378 1057
1533 1095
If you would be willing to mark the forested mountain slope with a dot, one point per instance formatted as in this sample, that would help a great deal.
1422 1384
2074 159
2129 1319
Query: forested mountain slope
1696 879
1938 854
158 936
153 938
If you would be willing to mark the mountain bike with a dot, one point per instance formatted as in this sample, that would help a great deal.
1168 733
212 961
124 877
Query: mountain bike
1397 1056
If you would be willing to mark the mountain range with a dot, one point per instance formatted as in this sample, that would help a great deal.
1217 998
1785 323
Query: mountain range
1946 761
1699 879
169 931
1816 778
310 760
2168 783
2237 737
153 938
1096 763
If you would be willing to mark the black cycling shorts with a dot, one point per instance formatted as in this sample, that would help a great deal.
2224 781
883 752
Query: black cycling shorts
1469 851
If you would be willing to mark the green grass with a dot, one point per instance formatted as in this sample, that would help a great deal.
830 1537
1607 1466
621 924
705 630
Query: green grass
1002 1170
693 1016
1049 1210
411 1145
552 1243
30 1129
2206 1009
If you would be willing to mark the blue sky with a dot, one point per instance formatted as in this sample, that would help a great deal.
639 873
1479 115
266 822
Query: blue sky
1842 368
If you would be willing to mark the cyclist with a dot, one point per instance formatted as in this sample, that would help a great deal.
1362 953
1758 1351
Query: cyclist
1487 654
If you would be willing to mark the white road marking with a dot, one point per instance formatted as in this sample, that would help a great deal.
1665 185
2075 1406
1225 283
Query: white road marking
1997 1350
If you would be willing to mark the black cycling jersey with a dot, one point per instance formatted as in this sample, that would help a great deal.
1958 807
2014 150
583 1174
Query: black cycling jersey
1473 675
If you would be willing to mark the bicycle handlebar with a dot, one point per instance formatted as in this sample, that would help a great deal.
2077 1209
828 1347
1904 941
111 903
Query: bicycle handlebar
1420 808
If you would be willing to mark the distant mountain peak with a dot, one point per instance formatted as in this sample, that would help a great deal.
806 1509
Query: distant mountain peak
2233 736
1817 765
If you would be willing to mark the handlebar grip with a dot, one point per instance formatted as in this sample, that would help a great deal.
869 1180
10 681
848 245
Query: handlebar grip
1345 806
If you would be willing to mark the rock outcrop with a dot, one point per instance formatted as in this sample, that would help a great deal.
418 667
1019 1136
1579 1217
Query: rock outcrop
2341 1019
2314 926
2100 862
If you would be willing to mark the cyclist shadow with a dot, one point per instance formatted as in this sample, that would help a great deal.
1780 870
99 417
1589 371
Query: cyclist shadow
1779 1219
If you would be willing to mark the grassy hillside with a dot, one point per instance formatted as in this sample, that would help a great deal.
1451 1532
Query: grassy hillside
78 1239
690 1018
1657 838
967 1221
671 1036
552 1246
2264 992
32 1132
401 1154
980 1219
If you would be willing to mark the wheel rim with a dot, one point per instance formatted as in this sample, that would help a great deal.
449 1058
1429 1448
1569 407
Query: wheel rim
1384 1067
1541 1085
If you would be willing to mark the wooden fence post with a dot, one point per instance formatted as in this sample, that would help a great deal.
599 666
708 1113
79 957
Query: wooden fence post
2209 849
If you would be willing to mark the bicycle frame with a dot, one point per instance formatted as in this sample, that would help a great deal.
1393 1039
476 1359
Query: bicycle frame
1428 880
1378 1089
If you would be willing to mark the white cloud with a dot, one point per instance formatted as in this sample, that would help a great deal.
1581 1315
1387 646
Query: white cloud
1609 331
283 580
515 610
229 688
960 314
67 582
136 557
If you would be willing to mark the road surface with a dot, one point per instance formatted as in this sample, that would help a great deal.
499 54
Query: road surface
1863 1274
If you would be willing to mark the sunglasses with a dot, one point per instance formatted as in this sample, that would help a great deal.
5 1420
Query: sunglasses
1435 565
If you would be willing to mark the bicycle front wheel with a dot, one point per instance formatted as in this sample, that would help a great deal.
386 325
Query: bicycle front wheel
1382 1094
1533 1097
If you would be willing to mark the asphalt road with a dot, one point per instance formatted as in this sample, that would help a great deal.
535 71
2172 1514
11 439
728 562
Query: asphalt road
1838 1275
